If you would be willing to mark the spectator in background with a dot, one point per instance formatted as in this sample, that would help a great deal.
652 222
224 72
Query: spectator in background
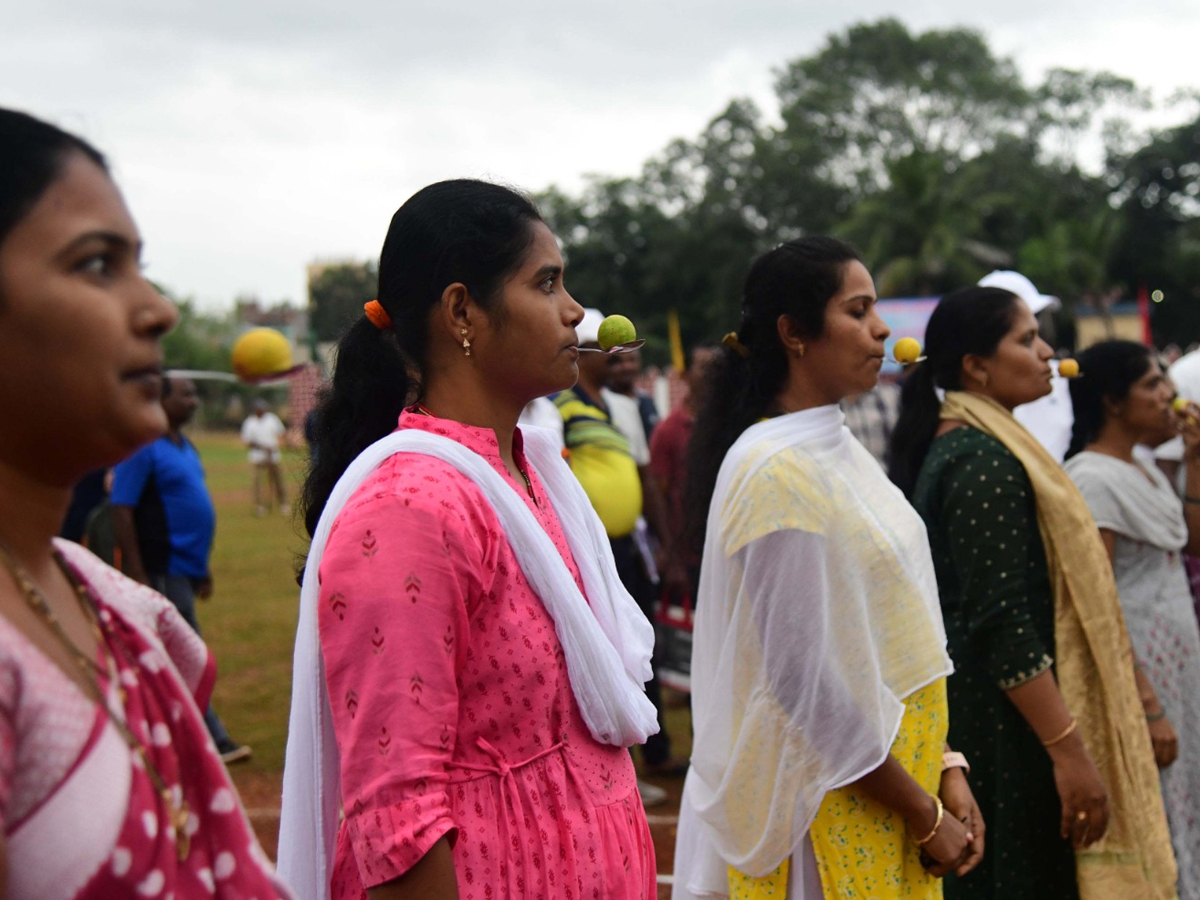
668 464
871 416
1185 376
88 494
261 432
163 521
624 369
542 413
608 453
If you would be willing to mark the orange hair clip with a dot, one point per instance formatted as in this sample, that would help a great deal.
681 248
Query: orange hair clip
378 315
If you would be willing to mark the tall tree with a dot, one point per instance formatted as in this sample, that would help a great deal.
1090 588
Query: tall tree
336 294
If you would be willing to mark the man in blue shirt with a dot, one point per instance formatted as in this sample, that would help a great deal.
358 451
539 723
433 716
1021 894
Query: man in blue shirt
164 520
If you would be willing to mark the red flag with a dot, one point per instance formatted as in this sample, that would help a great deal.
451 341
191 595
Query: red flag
1143 305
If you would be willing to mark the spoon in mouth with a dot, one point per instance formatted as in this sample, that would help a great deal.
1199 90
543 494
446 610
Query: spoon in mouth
619 348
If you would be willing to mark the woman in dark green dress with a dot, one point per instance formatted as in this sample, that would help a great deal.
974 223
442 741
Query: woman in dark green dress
1038 788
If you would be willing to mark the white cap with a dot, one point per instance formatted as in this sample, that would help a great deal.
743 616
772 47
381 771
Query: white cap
1016 283
588 331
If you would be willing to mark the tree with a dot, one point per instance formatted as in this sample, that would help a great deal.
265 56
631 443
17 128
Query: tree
923 148
198 340
878 93
336 294
1157 189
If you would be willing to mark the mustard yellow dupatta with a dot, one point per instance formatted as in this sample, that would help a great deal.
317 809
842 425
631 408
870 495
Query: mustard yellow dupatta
1094 661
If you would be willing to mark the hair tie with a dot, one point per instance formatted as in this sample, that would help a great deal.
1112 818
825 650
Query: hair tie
378 315
731 341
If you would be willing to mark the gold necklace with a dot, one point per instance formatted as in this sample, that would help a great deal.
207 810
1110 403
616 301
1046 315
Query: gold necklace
178 812
421 408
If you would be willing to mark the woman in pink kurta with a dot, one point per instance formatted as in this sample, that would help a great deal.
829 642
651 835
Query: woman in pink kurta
469 671
444 664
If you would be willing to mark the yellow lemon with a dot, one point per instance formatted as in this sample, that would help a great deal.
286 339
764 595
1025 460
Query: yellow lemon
614 331
907 350
261 352
1068 368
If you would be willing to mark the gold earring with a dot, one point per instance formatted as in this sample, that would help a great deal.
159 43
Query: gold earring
466 344
800 348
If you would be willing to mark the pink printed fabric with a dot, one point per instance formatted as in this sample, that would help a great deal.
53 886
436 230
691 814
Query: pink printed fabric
451 702
122 839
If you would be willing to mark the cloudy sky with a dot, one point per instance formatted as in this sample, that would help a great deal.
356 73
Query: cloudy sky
254 137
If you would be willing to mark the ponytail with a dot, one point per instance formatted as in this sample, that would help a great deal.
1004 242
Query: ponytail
371 386
920 413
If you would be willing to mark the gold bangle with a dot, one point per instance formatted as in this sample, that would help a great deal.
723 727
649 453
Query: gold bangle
936 825
1066 733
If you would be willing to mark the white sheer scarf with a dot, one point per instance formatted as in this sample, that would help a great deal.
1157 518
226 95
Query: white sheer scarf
817 615
606 644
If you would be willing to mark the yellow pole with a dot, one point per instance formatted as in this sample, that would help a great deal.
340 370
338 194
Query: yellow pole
678 360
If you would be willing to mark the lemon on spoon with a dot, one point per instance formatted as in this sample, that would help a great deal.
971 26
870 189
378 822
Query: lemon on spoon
1068 368
907 351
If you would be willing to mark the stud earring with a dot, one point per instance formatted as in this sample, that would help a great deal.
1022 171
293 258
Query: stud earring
466 344
800 348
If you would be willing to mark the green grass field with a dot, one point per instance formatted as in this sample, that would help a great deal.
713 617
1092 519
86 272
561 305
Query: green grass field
250 622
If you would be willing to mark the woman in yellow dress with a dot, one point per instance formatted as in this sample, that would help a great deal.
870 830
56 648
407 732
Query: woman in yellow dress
820 768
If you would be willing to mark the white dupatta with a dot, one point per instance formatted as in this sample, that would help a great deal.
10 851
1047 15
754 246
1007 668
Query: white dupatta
606 644
817 615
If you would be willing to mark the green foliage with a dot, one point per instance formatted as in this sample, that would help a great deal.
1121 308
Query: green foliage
930 154
336 296
199 340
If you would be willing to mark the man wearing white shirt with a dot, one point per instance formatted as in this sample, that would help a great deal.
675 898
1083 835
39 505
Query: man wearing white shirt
261 432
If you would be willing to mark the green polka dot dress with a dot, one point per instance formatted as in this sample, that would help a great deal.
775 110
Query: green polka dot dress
978 505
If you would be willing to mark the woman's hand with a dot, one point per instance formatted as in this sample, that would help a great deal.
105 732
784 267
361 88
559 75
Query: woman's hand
1188 422
950 845
1082 792
960 803
1165 741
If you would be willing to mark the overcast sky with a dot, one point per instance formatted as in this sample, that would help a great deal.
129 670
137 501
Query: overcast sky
253 137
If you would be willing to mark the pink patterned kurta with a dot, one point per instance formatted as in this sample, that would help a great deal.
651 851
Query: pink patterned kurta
451 702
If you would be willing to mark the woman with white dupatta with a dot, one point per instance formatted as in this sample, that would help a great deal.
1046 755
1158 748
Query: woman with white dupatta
469 671
820 768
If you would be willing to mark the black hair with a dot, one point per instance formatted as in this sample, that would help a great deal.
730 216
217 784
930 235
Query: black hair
32 156
968 322
166 385
1106 371
465 231
796 279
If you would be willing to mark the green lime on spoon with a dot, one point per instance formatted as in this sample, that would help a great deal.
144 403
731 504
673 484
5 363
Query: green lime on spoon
615 335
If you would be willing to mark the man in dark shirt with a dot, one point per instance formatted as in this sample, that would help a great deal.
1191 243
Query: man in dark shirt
164 520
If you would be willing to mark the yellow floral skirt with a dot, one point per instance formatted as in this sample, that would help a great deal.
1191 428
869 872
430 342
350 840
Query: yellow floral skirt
863 849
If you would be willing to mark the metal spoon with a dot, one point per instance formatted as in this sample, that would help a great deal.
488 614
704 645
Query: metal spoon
619 348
